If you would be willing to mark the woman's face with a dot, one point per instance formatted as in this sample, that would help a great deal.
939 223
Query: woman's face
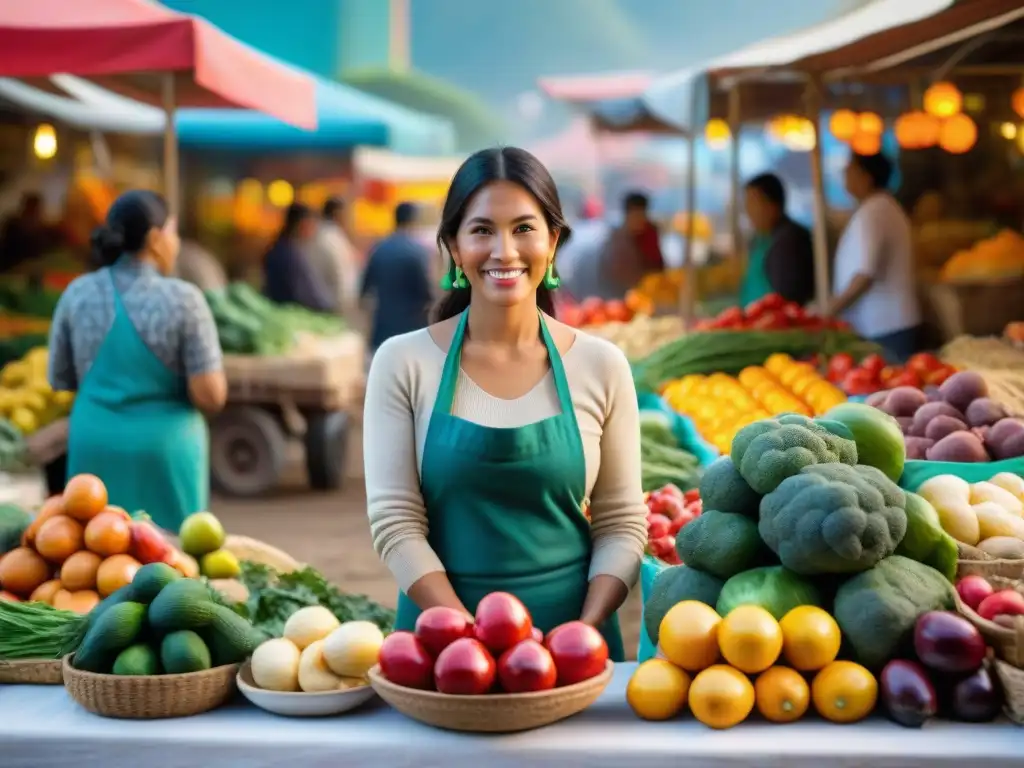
504 245
163 245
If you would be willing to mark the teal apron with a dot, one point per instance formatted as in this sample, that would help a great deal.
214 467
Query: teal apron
755 282
505 506
133 426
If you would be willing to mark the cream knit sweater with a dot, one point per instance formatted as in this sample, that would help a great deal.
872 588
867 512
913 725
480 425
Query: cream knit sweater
400 393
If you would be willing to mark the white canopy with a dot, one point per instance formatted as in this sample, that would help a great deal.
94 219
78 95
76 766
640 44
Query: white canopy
86 106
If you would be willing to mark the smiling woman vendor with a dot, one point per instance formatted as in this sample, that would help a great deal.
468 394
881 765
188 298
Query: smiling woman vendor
487 433
141 351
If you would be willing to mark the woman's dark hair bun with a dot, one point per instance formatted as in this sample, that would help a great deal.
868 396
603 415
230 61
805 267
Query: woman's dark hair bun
106 244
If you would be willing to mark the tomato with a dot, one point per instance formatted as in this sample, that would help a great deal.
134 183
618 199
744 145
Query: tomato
839 366
924 363
873 364
905 379
770 321
936 377
617 311
767 303
692 495
657 526
859 382
794 312
571 316
730 318
889 373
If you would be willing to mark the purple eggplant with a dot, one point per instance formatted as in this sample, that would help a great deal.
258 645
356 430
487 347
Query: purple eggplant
976 698
907 693
947 642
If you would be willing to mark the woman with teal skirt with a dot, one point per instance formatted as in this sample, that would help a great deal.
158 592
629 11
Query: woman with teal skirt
780 258
141 351
502 447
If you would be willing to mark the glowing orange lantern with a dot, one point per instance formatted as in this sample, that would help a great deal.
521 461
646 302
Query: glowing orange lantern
917 130
958 134
869 122
717 133
843 124
866 143
943 100
1017 100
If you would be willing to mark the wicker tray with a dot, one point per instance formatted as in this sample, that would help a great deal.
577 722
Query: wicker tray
151 697
256 551
31 672
1006 641
974 562
491 713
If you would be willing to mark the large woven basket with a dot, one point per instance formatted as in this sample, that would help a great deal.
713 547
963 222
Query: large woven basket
974 562
1006 640
1012 681
150 697
31 672
491 713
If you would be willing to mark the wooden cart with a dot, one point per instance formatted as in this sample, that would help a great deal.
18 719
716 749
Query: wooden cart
271 400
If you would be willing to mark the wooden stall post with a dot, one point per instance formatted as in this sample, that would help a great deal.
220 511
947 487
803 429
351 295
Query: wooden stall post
736 183
688 295
820 229
171 170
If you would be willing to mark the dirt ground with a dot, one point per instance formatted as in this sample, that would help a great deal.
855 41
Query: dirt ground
330 532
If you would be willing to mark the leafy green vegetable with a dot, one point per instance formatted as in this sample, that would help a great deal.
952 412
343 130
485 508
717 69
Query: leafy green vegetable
273 597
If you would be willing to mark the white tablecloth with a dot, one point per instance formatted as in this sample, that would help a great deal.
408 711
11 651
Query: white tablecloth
40 727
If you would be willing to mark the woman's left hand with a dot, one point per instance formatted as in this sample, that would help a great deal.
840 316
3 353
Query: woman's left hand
604 597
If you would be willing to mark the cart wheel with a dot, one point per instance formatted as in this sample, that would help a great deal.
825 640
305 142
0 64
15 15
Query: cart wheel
326 441
248 450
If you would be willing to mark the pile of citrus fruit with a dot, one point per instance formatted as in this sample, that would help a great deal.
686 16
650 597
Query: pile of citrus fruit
721 405
722 668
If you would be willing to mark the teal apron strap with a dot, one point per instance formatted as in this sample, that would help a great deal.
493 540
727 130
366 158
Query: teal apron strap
558 372
450 374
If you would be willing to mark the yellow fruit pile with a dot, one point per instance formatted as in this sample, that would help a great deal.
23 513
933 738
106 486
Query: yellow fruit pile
723 654
26 399
721 405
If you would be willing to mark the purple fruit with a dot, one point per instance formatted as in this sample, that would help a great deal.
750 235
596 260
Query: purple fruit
984 412
976 698
962 388
904 401
929 411
905 423
932 393
947 642
1006 438
877 399
907 693
917 447
943 425
961 447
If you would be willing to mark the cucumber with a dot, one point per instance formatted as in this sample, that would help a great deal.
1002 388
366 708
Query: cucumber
111 633
184 651
231 638
183 604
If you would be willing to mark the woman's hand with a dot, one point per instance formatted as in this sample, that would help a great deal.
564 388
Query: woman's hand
605 596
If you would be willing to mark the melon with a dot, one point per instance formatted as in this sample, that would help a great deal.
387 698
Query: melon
877 434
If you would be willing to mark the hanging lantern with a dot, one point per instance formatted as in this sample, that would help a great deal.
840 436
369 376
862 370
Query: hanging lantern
866 143
943 100
1017 100
799 135
843 124
869 122
717 133
917 130
44 143
958 134
777 126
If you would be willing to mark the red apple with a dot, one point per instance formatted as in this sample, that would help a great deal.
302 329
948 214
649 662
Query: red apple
440 626
667 505
658 526
404 661
465 668
501 622
1005 602
537 635
973 590
525 667
148 545
579 651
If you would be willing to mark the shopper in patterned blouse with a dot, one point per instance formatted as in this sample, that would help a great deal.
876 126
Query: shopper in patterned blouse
141 351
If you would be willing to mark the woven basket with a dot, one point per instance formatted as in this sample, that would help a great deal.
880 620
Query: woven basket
1007 641
31 672
491 713
150 697
256 551
1012 681
974 562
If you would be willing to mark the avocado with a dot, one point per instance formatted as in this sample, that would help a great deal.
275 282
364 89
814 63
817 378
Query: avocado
138 659
184 651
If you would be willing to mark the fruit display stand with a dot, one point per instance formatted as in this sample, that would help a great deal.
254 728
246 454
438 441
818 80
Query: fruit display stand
303 395
40 726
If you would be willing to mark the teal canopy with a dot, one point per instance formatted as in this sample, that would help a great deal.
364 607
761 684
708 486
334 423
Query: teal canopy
346 117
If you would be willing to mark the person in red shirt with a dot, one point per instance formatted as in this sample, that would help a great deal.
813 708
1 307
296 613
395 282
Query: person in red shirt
644 232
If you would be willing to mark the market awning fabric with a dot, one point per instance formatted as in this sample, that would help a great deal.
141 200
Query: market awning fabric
682 97
629 115
94 110
121 44
346 117
581 89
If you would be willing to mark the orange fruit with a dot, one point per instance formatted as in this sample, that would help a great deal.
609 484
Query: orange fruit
22 570
59 538
44 592
657 690
688 635
115 572
81 602
721 696
810 638
109 533
52 507
79 571
844 692
750 639
782 694
85 496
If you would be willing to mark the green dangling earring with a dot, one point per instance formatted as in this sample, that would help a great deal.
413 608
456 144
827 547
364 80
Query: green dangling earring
450 281
551 280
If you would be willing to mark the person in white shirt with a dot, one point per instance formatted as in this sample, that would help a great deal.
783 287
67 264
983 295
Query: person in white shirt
873 287
334 259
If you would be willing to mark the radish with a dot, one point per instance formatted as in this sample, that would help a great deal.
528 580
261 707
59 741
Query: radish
973 590
1006 602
